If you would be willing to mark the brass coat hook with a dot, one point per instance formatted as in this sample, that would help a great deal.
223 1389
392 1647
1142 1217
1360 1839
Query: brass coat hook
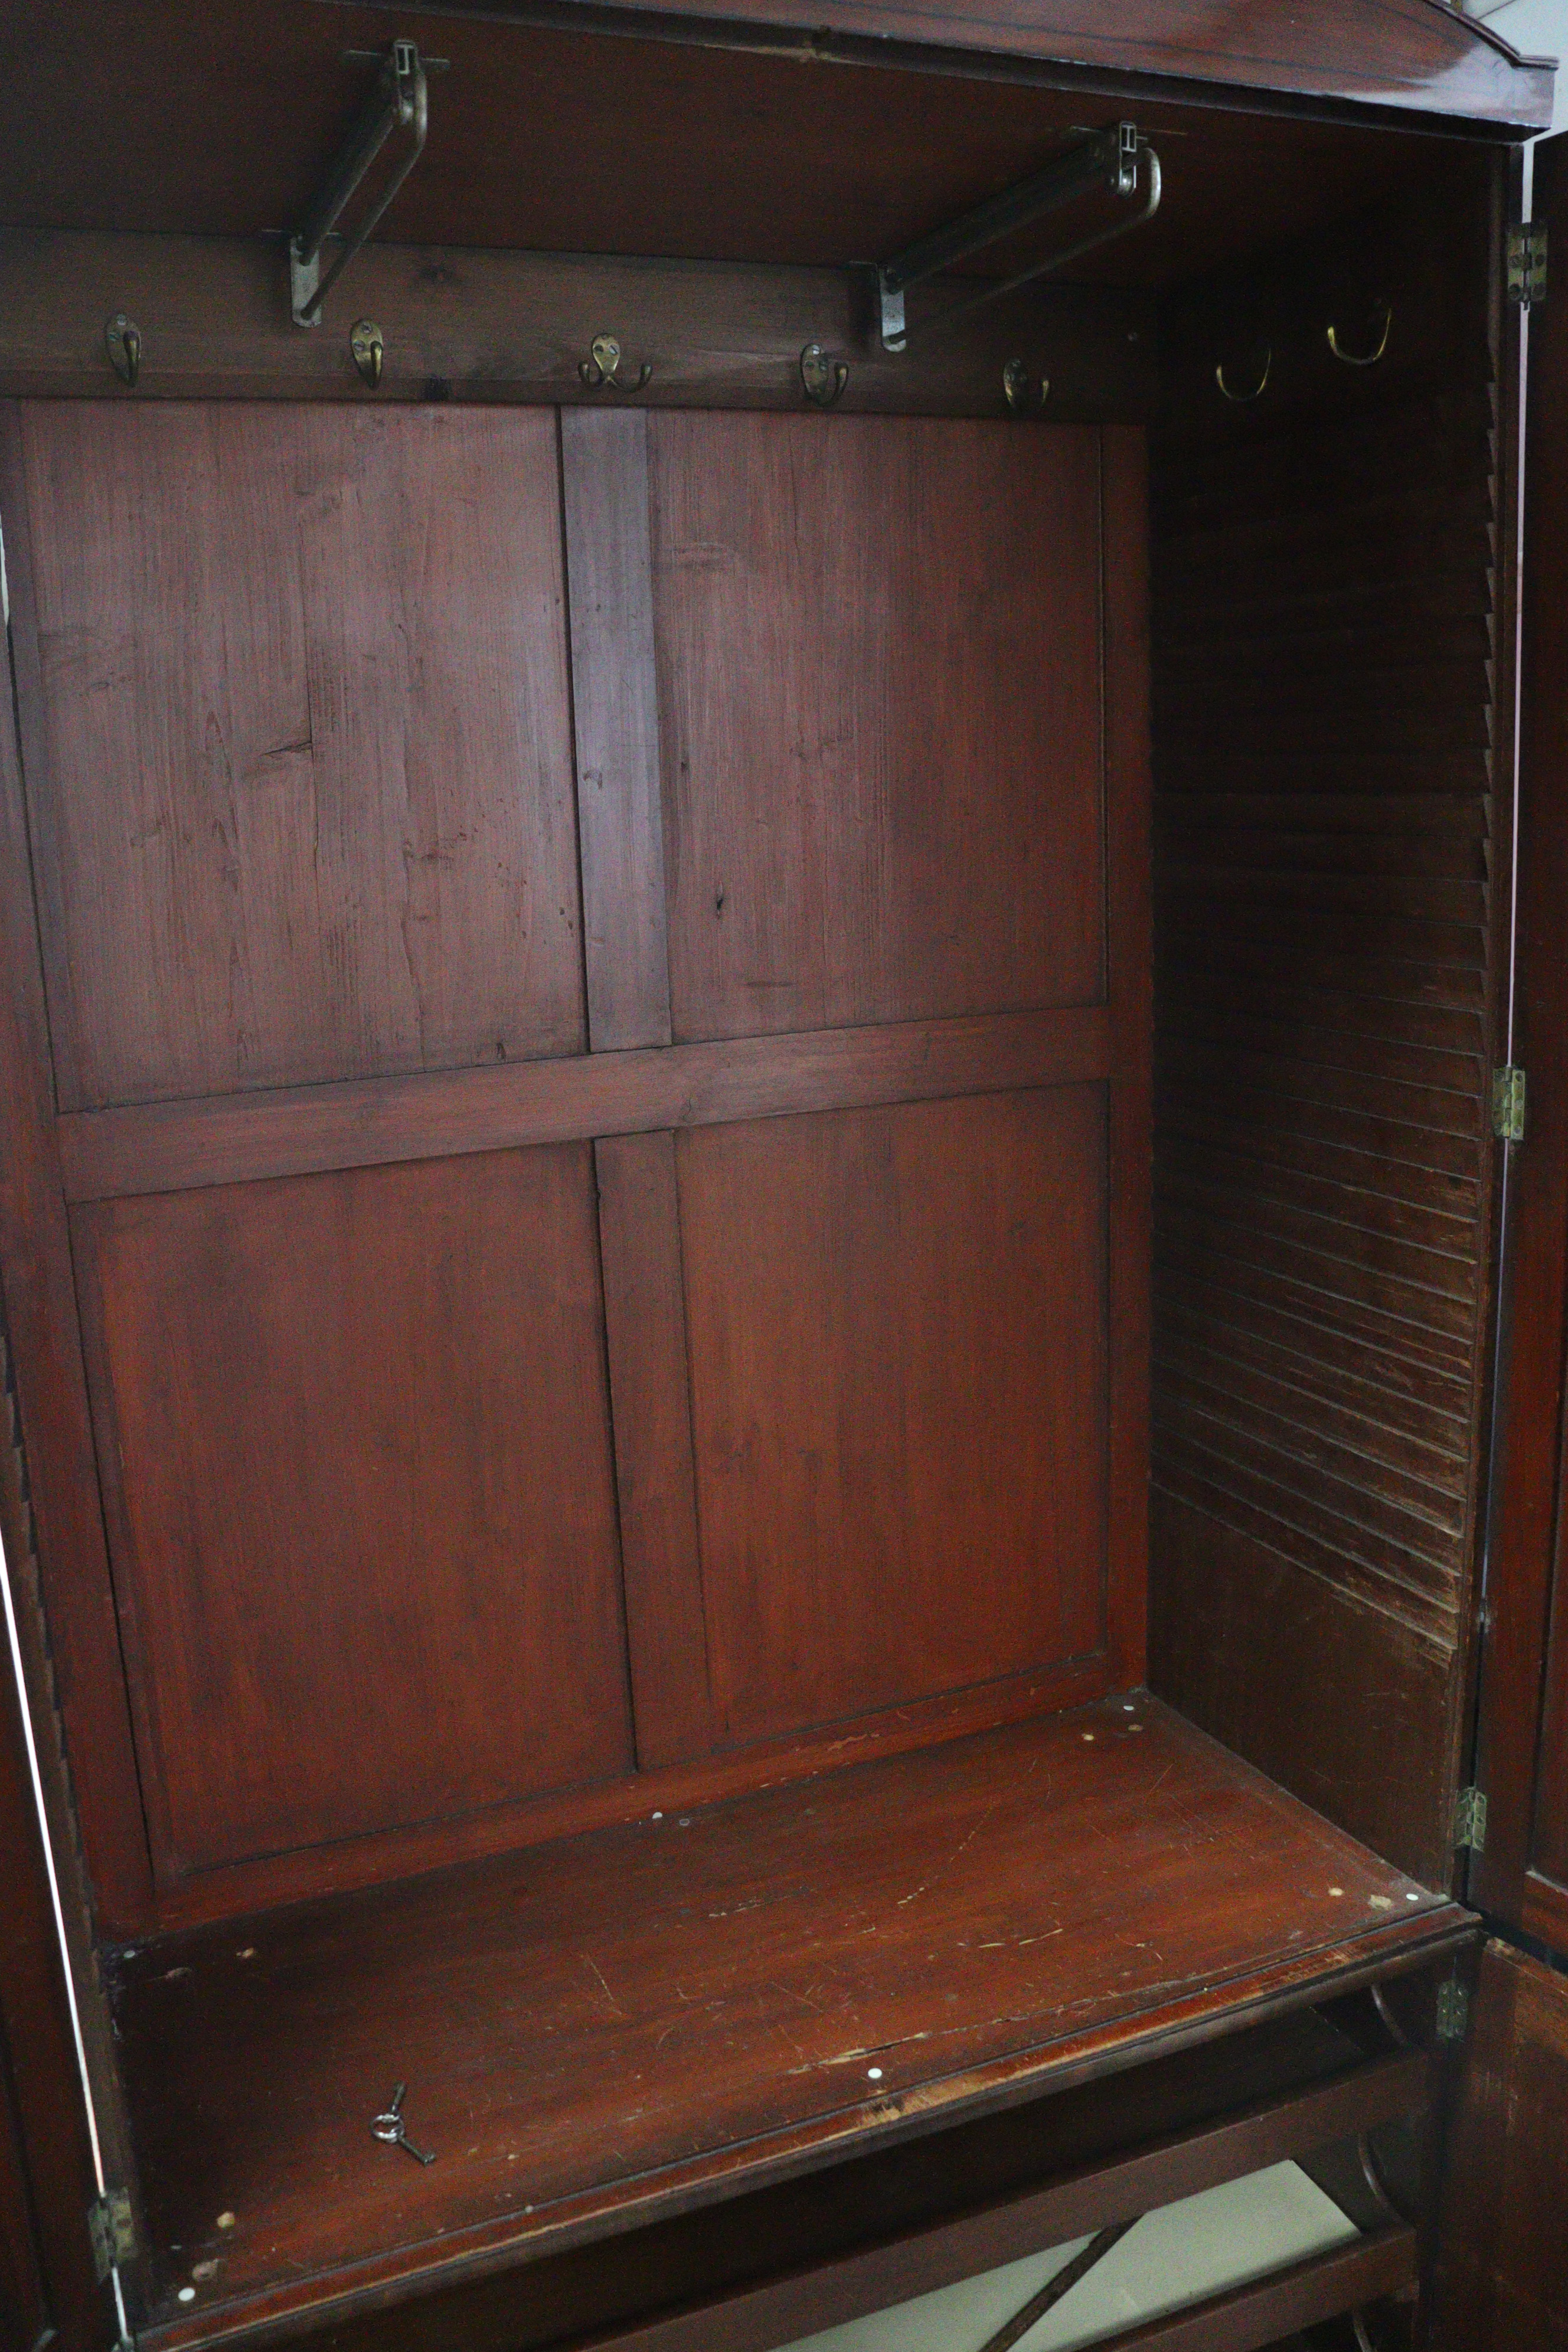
1018 388
601 370
122 339
821 379
1256 389
368 351
1362 359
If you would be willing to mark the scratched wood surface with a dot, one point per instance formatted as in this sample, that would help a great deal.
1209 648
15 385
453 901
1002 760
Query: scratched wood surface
301 787
638 2014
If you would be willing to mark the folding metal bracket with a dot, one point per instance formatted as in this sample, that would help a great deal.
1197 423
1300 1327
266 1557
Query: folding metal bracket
1110 159
112 2227
400 101
1526 260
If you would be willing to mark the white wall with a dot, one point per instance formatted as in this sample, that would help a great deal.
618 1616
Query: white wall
1536 28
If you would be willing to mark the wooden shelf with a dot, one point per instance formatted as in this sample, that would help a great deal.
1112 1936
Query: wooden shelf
624 2025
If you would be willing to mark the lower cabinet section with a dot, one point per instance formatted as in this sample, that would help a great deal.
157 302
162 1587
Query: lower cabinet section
1502 2272
1227 2258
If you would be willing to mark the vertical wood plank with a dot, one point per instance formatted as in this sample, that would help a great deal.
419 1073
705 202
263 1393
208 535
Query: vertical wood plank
1131 995
644 1318
604 489
41 1315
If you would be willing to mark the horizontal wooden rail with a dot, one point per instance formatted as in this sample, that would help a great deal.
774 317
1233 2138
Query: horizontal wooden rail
465 323
1291 2125
365 1122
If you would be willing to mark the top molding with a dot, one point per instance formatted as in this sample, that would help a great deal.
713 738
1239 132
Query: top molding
1417 58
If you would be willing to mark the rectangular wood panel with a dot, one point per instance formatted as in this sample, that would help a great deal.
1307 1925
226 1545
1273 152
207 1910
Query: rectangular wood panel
897 1331
354 1441
302 800
880 688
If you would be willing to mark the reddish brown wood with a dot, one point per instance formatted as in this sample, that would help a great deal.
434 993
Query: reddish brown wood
722 154
1504 2237
504 325
615 709
645 1321
882 804
305 810
1333 1696
41 1318
897 1330
164 1146
355 1448
387 1856
1238 2321
824 2246
672 2011
1524 1669
1328 982
46 2178
1124 491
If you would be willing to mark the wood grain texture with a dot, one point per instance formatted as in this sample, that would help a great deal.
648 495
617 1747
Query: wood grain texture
821 2247
897 1333
1326 768
88 1717
772 162
881 804
354 1441
508 327
1503 2242
305 809
1340 1700
171 1147
614 711
704 1999
644 1324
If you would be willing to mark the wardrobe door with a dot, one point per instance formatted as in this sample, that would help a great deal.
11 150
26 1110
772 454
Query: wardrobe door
1522 1872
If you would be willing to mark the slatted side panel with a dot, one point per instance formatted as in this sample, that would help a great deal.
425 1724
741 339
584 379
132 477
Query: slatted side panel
1323 680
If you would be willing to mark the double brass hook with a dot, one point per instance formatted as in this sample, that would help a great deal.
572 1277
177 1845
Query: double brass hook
601 371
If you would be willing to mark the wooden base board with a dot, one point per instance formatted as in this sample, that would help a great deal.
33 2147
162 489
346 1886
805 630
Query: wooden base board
641 2019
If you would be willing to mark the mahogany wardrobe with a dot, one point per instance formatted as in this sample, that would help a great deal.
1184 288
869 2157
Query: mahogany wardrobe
756 824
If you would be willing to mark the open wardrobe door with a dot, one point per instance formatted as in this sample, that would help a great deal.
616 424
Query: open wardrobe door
1520 1844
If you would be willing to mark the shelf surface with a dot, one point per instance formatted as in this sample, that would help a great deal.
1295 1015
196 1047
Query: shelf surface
610 2028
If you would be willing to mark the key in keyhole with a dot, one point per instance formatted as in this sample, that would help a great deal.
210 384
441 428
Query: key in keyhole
390 2128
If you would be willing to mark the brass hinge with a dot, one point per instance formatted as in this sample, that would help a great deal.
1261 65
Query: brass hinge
1453 2010
112 2226
1527 263
1508 1103
1471 1819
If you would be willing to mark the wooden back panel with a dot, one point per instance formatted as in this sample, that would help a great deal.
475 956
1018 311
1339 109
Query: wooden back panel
543 1367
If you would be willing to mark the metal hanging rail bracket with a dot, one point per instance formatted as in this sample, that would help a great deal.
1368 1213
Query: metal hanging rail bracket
1105 159
400 101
